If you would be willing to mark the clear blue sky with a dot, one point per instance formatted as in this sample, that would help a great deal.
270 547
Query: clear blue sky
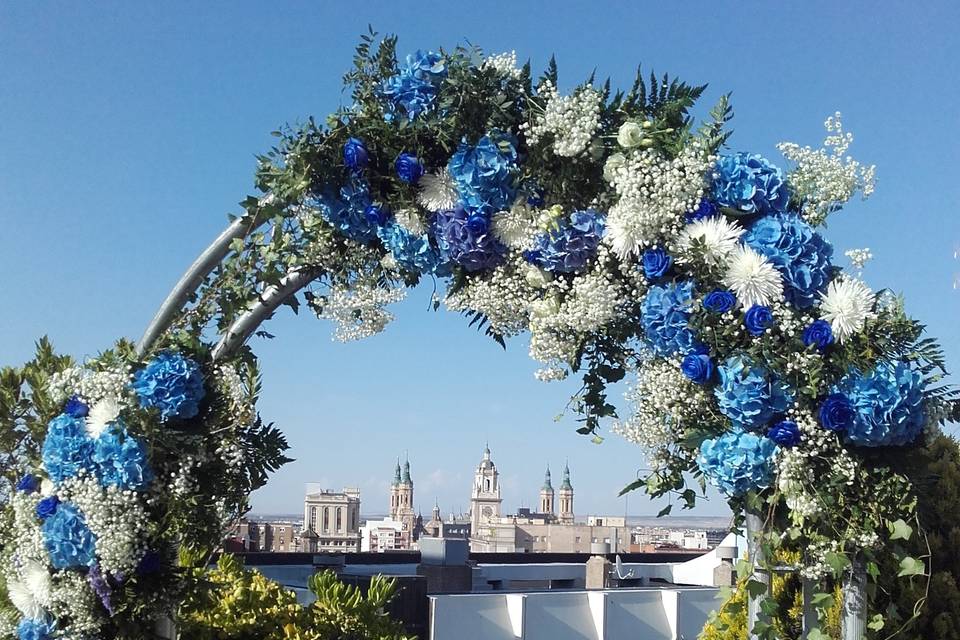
128 132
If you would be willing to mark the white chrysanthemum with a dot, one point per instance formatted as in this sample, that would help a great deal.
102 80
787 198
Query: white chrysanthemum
411 220
846 305
718 236
752 278
437 192
516 228
24 599
623 234
101 415
36 577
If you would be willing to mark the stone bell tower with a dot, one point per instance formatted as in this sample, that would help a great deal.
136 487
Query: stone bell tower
566 498
546 495
485 498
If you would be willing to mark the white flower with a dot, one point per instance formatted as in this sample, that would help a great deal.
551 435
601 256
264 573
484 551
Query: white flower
718 236
752 278
846 305
624 234
571 121
613 163
47 488
102 414
515 228
504 63
411 220
23 598
437 191
859 257
630 135
36 577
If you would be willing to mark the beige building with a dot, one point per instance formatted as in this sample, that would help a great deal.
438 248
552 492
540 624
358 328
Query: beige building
280 536
401 506
331 521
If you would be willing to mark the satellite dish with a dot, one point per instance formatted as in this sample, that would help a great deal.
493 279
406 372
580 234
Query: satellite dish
621 574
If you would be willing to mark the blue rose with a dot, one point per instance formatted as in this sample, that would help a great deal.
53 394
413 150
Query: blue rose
750 183
786 433
408 168
665 314
750 395
888 404
467 245
478 223
149 563
570 245
377 215
656 262
719 301
36 629
66 448
355 154
705 209
485 174
697 367
171 383
799 253
818 333
121 460
758 319
413 253
76 407
68 540
47 507
28 483
737 462
836 412
413 90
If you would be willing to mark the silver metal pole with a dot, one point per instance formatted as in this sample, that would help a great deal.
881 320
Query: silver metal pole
754 523
810 620
246 324
854 623
166 628
191 279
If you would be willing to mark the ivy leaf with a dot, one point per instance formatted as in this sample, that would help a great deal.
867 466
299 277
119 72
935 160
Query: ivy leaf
910 566
899 530
820 599
756 588
837 561
876 622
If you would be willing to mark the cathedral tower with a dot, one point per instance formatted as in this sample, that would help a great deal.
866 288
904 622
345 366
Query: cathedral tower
546 495
485 498
566 498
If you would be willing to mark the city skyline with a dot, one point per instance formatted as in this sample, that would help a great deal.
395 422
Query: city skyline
135 130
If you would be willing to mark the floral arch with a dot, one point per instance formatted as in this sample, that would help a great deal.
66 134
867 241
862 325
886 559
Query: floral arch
620 234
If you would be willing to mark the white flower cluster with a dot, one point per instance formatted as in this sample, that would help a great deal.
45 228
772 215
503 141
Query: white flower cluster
572 120
824 179
847 304
234 391
664 402
73 603
504 63
411 220
503 296
359 311
437 192
517 227
859 257
710 240
654 194
115 516
89 386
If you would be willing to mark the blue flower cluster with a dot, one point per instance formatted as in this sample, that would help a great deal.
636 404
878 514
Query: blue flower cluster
412 252
413 90
749 395
35 629
355 154
749 182
656 263
471 246
664 316
68 539
171 383
485 174
121 459
568 247
888 405
737 462
799 253
67 448
705 209
347 210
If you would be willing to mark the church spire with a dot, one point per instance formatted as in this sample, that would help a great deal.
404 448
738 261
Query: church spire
406 473
547 484
396 476
566 478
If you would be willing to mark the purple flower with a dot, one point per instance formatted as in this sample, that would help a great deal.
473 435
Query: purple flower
76 408
464 244
656 262
101 587
47 507
836 412
355 154
568 246
408 168
786 433
758 319
818 333
28 483
719 301
697 367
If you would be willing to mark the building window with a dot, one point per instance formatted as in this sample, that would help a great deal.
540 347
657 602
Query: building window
313 518
339 519
577 540
326 518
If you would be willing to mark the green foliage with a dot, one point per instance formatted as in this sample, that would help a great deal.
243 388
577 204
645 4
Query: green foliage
231 602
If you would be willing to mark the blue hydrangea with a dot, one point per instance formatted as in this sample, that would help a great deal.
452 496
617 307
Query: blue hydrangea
35 629
737 462
570 245
412 252
67 448
750 395
888 405
799 253
68 539
347 210
749 182
121 459
471 247
485 174
413 90
171 383
664 316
